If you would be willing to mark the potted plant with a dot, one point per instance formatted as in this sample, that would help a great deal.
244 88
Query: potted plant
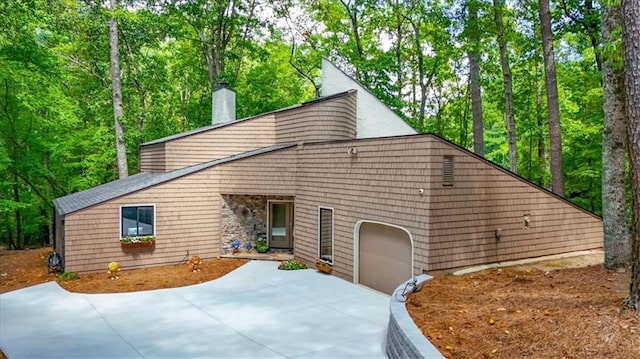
324 265
261 245
138 242
235 246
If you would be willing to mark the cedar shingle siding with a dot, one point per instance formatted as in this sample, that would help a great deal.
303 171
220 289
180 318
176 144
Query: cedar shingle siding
333 119
395 180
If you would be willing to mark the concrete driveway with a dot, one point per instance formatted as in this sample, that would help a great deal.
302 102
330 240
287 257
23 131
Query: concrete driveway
255 311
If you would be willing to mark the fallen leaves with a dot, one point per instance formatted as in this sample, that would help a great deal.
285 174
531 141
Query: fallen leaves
496 317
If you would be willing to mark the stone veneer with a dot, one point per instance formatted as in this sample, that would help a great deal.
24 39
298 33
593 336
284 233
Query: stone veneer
244 217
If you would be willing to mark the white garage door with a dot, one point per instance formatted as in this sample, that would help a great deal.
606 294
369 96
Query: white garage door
384 256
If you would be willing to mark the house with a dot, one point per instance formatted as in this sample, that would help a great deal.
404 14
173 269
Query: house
340 177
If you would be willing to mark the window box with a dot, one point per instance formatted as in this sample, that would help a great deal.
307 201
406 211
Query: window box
323 265
138 242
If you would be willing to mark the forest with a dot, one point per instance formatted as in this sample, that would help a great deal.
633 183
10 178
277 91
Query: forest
528 84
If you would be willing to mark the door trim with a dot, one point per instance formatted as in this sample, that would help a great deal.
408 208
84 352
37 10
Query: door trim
269 202
356 248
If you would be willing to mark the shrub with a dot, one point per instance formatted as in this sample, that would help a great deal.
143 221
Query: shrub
68 276
261 245
292 265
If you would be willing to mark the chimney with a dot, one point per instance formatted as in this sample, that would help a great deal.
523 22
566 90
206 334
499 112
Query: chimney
224 104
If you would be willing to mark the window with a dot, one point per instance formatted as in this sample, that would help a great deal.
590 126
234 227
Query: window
137 221
447 171
325 233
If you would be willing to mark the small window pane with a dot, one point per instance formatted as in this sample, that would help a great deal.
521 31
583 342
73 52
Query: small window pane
137 221
129 221
325 231
145 221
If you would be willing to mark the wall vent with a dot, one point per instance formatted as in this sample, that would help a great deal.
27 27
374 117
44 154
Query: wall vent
447 171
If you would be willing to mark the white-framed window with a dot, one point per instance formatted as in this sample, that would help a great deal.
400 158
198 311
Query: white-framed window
137 220
325 233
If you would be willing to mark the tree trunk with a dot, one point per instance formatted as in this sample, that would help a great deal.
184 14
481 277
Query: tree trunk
616 234
464 128
542 152
19 242
498 6
417 38
398 55
121 150
355 27
474 77
553 108
631 44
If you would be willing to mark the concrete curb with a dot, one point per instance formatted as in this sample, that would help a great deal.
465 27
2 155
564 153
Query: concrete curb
527 261
404 339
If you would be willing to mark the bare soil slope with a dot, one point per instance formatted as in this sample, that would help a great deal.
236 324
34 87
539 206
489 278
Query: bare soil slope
529 312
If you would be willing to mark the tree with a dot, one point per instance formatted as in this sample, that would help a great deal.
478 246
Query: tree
498 6
223 30
631 42
121 150
425 75
34 113
553 107
354 11
474 77
616 234
586 18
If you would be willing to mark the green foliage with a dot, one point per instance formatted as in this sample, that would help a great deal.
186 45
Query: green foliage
129 239
261 245
56 116
67 276
292 264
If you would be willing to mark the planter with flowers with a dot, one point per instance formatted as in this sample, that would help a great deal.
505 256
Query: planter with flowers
138 242
323 265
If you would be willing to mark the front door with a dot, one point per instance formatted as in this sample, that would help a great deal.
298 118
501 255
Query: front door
281 225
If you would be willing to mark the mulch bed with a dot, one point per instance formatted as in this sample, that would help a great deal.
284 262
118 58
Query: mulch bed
515 313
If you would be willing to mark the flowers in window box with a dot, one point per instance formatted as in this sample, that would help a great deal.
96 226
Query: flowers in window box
129 239
324 265
138 242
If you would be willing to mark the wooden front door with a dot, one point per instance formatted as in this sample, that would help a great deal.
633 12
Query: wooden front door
281 225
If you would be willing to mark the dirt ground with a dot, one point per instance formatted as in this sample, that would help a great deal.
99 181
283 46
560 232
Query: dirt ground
543 310
20 269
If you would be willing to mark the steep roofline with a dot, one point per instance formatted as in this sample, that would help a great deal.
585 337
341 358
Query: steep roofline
489 162
115 189
221 125
370 93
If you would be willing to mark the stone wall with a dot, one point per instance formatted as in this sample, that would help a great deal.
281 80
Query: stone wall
244 217
404 338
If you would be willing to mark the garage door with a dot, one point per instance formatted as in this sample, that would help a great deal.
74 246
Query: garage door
384 256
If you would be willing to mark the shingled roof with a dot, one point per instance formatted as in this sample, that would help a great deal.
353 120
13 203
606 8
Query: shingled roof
118 188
